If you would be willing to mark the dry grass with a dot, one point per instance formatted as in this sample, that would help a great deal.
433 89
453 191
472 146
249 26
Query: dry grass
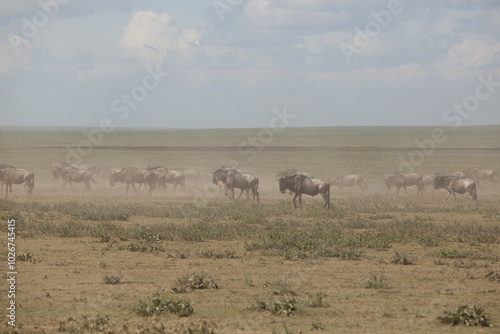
374 263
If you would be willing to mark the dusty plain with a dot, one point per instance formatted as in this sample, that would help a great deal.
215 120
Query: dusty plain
97 261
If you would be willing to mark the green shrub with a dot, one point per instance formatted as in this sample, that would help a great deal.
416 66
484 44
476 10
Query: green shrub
451 254
401 259
374 281
282 306
113 279
156 306
194 282
468 315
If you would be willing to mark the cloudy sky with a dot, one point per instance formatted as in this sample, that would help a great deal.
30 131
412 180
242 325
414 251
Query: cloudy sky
229 63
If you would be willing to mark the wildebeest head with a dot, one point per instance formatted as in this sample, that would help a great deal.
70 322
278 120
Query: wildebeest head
285 183
389 182
442 181
217 176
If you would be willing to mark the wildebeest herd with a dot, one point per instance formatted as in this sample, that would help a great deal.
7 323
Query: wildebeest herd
290 180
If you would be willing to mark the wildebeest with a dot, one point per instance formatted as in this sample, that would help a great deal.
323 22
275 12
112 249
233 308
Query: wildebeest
291 172
342 180
167 175
403 180
477 174
455 185
12 175
70 174
130 176
234 177
300 184
3 166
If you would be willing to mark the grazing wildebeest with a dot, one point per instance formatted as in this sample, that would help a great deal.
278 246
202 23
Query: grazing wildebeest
129 176
342 180
234 177
71 174
301 184
455 185
477 174
403 180
11 175
171 176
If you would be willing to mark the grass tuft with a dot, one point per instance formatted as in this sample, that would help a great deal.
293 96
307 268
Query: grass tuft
468 315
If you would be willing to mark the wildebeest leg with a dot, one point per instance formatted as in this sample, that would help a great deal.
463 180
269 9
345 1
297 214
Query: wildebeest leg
255 193
325 199
449 193
232 193
247 190
406 191
397 192
294 202
87 185
241 192
226 191
133 187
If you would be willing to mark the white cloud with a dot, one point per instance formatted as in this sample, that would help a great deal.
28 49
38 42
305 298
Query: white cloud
465 58
149 37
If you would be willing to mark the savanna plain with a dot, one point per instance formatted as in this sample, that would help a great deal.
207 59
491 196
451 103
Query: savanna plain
193 261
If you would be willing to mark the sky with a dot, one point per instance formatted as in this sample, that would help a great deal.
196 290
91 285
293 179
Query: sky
236 63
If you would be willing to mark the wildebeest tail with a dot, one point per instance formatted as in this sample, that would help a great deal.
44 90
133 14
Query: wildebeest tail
474 194
31 184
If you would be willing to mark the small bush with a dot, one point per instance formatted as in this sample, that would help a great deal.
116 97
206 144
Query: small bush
111 279
468 315
374 281
282 307
157 306
315 300
211 254
194 282
85 324
27 257
451 254
401 259
493 276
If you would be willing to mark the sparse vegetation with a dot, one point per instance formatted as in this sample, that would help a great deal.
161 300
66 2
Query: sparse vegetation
278 306
326 256
374 281
194 282
113 279
158 305
401 258
468 315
